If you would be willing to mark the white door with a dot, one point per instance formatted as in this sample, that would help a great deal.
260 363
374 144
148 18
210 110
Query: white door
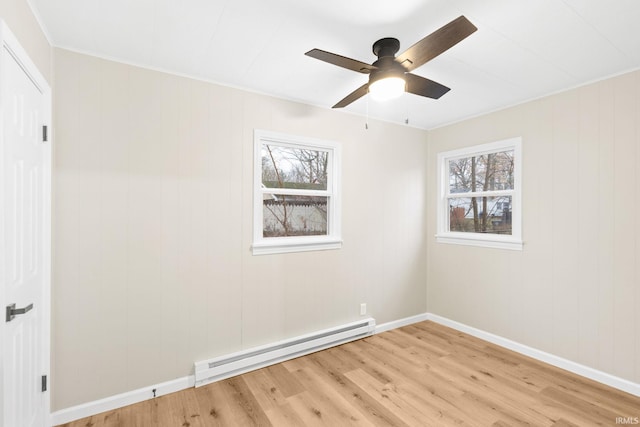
25 248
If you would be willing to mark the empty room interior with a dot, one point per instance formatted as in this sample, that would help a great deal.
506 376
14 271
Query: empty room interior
226 216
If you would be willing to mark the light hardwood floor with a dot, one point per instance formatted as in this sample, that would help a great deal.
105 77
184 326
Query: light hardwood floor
419 375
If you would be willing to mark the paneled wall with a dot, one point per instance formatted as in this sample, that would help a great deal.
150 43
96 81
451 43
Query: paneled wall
152 229
574 291
152 225
18 16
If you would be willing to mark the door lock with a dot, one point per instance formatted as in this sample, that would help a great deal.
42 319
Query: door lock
12 311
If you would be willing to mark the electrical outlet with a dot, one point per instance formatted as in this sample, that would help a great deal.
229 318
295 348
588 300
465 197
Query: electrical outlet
363 309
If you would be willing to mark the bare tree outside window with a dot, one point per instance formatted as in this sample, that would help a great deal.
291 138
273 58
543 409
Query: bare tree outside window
488 180
296 193
304 211
480 195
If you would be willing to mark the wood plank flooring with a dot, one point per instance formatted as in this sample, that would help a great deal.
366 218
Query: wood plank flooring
419 375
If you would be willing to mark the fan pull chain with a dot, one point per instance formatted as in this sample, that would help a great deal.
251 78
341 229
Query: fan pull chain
366 123
406 98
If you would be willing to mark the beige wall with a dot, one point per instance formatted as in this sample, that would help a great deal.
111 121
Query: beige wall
574 291
152 225
18 16
152 261
152 268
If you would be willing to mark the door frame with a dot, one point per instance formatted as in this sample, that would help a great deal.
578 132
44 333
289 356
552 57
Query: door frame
10 43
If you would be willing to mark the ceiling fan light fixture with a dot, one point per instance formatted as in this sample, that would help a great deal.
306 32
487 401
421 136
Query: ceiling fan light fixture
387 88
391 75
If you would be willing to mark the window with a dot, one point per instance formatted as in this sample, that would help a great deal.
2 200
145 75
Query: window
479 195
296 198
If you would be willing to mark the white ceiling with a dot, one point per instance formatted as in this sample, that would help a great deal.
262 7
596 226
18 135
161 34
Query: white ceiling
523 49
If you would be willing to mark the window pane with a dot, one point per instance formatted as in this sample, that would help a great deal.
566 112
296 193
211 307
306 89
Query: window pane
480 215
285 167
286 215
488 172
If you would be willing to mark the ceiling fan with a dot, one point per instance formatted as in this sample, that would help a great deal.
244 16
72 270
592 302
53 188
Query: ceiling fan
390 75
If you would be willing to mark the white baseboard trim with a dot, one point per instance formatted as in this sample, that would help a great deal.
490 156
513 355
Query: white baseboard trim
129 398
568 365
383 327
113 402
119 400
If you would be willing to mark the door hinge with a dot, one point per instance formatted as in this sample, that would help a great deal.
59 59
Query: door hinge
44 383
44 133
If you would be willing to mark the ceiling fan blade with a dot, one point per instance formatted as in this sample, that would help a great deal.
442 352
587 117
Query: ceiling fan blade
424 87
436 43
341 61
356 94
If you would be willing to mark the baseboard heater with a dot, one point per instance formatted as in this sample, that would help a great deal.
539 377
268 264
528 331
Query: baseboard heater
216 369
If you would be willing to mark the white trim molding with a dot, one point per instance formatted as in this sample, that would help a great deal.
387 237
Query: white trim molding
120 400
395 324
551 359
276 245
490 240
113 402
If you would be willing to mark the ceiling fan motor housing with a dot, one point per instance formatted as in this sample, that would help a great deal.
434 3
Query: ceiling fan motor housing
386 66
386 47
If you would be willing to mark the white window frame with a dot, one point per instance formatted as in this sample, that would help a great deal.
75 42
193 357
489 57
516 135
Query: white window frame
514 241
274 245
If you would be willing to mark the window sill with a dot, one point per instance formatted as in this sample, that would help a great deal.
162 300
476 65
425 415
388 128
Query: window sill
482 240
281 245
